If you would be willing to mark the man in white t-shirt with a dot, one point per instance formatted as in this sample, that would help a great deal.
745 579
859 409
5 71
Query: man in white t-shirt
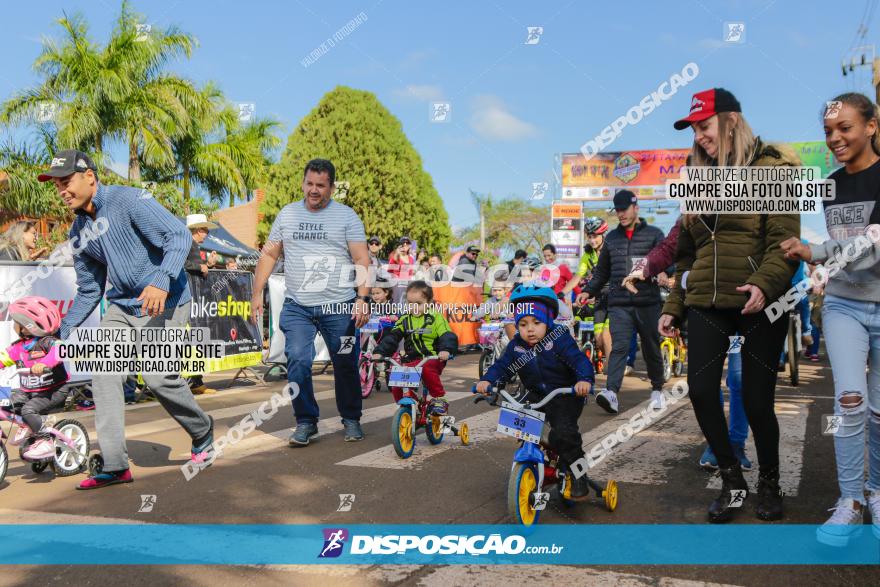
322 241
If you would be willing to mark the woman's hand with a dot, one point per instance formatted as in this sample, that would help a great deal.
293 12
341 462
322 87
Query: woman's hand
796 250
665 325
756 298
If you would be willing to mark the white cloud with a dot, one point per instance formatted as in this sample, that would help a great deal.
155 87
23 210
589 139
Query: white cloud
422 93
492 120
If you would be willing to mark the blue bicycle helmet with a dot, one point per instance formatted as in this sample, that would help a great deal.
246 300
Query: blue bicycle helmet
529 292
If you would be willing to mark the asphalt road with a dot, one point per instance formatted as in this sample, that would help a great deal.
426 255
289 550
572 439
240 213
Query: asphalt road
260 480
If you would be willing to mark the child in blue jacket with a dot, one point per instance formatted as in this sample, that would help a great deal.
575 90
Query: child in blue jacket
545 357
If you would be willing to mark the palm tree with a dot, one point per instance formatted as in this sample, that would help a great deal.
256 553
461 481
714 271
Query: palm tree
221 154
118 91
20 192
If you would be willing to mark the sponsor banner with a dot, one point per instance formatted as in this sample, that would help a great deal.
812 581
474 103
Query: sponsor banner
59 287
221 302
276 337
208 544
566 210
568 250
621 169
566 224
566 237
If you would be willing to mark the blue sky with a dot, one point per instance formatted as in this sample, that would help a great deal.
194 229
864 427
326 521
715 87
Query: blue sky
514 105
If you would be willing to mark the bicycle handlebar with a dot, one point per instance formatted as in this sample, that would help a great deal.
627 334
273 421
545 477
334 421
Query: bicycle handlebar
558 391
396 364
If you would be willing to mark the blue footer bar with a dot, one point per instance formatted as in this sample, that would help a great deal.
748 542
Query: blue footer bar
618 544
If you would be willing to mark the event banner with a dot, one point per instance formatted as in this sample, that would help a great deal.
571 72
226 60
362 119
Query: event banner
567 232
57 284
222 302
646 172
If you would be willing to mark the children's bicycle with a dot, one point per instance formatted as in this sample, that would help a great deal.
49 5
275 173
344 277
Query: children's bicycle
585 328
674 354
493 341
70 437
415 411
370 372
535 464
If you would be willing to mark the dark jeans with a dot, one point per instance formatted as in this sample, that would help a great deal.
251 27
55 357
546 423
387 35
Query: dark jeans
31 405
624 320
562 415
633 349
710 330
300 325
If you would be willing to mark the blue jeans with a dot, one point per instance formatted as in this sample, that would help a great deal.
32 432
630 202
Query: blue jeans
633 349
852 338
300 325
815 332
738 424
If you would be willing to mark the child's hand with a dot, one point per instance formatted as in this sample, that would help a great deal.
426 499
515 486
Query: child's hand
38 368
443 355
582 388
377 357
483 387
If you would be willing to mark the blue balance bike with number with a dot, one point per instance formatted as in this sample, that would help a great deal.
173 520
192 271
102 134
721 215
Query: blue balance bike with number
415 411
535 467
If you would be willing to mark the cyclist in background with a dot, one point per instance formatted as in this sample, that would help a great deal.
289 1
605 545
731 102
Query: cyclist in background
595 229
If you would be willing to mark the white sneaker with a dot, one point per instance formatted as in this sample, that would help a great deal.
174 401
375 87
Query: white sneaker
874 506
607 400
627 370
40 450
844 524
658 400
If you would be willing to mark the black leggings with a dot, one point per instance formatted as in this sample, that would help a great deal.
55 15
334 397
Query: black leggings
708 342
32 404
562 416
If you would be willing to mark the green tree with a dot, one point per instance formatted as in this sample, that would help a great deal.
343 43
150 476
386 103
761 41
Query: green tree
388 187
511 223
20 192
118 91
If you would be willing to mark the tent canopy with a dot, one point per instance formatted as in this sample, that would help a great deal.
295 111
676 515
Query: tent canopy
224 243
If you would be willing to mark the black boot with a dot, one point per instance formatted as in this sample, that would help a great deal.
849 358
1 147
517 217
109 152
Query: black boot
734 491
580 488
769 496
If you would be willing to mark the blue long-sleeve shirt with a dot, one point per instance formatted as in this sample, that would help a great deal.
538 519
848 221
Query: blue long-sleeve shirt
144 244
555 361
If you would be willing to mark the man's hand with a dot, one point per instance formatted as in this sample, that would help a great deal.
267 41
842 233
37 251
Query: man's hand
483 387
443 355
361 313
756 299
38 368
796 250
665 326
663 280
204 269
629 282
153 300
256 308
582 388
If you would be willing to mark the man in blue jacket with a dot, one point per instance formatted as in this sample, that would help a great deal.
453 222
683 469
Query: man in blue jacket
141 253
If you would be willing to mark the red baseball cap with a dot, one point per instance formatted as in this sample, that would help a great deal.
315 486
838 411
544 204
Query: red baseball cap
707 104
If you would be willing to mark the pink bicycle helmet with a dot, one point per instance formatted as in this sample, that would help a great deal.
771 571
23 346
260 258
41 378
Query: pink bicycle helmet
38 315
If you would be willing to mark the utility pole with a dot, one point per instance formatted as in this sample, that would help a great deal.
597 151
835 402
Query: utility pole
860 58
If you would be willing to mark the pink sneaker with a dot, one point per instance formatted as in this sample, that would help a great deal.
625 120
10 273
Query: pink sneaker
104 479
40 450
20 435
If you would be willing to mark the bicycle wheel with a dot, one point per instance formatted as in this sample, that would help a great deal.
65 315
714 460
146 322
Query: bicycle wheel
71 461
487 357
402 437
522 484
792 354
667 362
367 373
434 430
4 462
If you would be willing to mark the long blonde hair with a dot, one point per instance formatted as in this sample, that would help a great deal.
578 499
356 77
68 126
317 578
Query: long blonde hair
13 239
736 148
